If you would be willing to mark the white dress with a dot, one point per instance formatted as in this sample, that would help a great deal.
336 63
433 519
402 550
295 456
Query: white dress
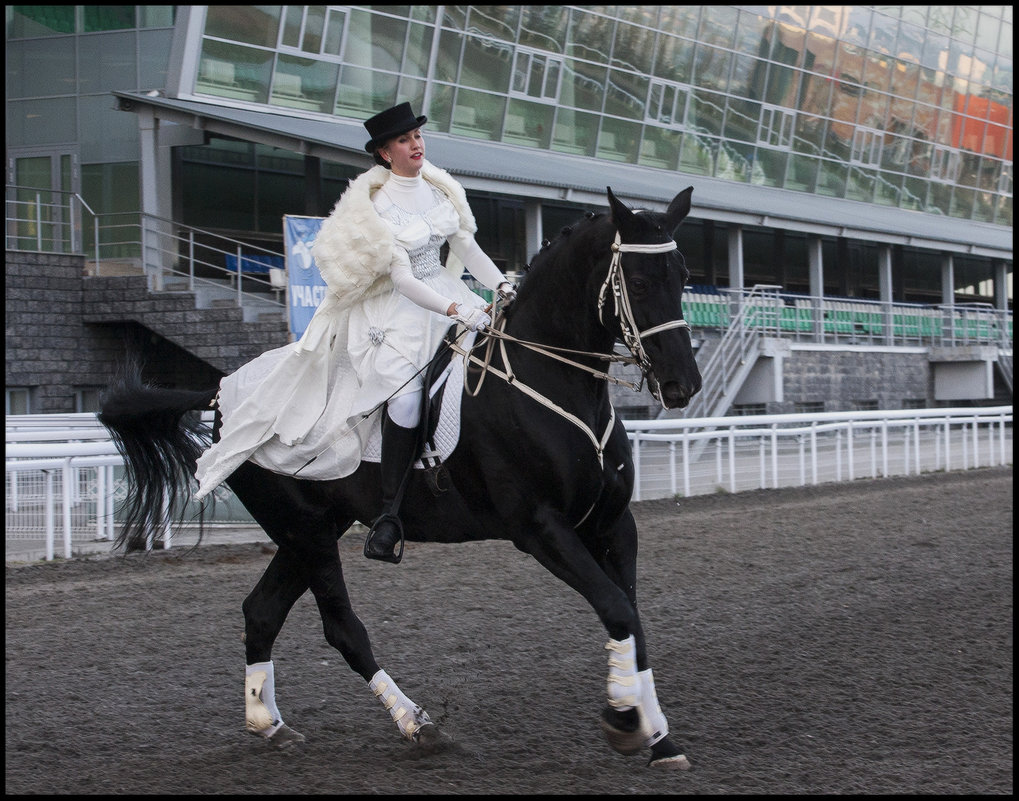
308 408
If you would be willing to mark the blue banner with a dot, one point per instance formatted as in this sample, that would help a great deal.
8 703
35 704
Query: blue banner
305 287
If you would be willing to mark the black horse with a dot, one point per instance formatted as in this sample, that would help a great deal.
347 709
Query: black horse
541 461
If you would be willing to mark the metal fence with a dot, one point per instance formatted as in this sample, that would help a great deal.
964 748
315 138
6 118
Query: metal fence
682 458
64 480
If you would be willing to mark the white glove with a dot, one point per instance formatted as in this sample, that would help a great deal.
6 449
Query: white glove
472 319
507 292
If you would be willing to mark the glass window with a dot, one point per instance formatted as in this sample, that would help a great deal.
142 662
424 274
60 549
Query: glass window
619 140
706 111
418 50
314 26
634 48
364 92
718 25
387 43
413 91
40 69
42 122
257 25
205 186
528 123
228 70
106 63
304 83
448 56
18 400
440 107
696 153
498 22
711 67
336 23
107 18
155 16
292 22
667 103
627 94
26 21
674 58
659 148
486 64
478 115
776 126
583 85
544 27
455 17
575 132
86 399
105 134
153 57
536 75
589 36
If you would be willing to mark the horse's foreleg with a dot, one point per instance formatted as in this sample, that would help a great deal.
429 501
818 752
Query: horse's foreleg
265 610
619 561
560 549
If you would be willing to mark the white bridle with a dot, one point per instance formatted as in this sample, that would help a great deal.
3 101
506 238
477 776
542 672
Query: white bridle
614 280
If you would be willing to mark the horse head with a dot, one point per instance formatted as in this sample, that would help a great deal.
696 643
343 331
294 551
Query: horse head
646 279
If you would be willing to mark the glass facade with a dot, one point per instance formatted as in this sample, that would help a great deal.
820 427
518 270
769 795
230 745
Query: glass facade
903 106
896 106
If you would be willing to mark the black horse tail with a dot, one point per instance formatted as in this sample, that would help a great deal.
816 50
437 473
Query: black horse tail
160 434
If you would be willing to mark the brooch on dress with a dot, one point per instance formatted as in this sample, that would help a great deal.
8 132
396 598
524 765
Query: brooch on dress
376 335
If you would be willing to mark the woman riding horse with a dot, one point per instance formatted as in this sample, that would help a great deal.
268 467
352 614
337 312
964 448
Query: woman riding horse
541 461
389 305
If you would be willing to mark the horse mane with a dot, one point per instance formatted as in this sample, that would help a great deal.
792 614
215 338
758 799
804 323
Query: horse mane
553 269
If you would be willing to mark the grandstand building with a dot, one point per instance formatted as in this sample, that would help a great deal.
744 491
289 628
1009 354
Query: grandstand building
850 243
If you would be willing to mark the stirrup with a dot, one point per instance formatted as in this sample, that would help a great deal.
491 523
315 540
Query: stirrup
385 556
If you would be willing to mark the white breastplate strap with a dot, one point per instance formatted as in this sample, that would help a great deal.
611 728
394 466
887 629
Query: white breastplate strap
508 376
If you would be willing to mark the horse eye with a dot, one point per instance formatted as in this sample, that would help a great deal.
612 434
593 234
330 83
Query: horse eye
638 286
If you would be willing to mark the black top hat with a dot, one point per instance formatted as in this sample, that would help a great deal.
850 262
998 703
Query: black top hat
389 123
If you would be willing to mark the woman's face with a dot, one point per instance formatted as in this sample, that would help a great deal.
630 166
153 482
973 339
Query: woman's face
405 153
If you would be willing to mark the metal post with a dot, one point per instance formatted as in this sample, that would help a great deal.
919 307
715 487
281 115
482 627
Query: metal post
49 515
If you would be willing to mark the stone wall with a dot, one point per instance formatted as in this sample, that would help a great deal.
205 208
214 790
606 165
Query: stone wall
66 331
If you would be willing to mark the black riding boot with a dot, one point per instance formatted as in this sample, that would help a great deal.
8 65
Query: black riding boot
399 451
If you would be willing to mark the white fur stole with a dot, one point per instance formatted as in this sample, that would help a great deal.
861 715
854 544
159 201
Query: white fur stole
354 247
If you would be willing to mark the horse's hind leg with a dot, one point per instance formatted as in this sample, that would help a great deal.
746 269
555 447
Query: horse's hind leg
345 632
265 610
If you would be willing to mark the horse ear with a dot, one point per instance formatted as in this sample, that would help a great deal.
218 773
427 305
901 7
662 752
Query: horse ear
620 212
678 209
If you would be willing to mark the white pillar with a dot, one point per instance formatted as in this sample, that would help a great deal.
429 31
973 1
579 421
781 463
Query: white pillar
947 279
884 279
736 257
815 263
533 233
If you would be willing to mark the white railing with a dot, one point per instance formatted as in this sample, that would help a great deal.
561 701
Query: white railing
682 458
68 464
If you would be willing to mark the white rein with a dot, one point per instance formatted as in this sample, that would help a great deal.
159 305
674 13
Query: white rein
614 281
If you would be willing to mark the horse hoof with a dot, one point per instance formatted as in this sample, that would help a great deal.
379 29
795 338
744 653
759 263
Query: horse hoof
431 740
623 730
285 737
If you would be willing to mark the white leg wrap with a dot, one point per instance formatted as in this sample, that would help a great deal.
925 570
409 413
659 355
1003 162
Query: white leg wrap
404 712
623 684
260 713
650 710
